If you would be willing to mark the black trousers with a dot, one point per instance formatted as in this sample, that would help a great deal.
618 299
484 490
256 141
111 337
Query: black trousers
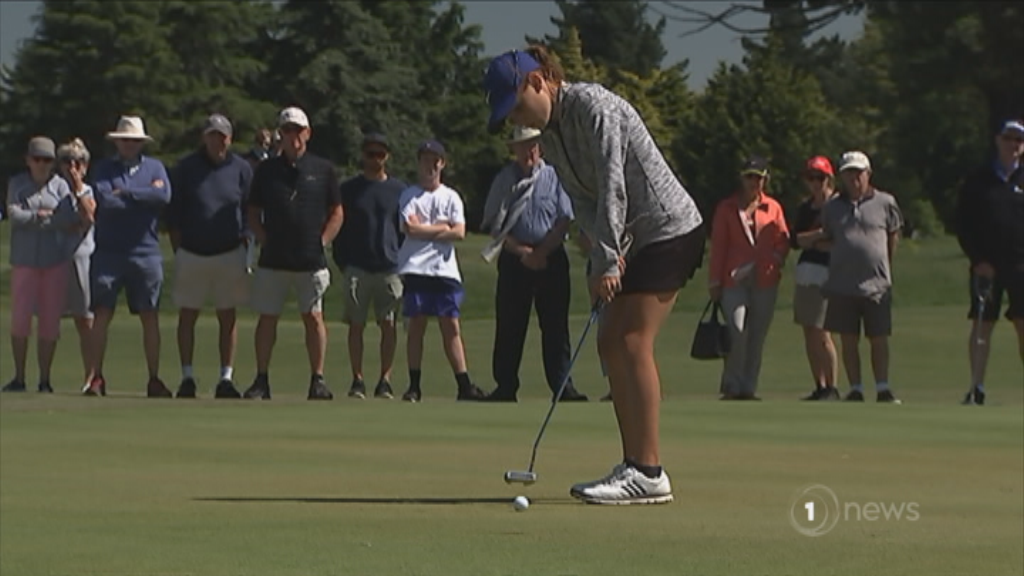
547 291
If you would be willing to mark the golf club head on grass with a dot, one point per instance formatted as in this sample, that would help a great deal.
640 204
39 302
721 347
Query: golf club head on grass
519 477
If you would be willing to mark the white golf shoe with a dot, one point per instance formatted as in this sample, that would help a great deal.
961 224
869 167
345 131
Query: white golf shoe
625 485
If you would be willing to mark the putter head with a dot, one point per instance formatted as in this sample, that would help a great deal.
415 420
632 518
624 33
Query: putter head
520 477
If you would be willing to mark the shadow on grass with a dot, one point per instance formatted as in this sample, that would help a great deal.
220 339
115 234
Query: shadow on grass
416 501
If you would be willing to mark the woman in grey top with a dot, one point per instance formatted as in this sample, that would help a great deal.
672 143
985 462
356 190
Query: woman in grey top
73 164
42 219
647 237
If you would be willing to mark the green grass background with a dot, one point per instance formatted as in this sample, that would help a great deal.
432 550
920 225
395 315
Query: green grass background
124 485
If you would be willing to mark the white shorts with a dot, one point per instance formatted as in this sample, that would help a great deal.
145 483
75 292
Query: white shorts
271 287
221 278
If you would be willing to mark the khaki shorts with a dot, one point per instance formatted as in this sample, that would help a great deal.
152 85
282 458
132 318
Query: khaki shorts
382 290
845 314
271 287
809 306
221 278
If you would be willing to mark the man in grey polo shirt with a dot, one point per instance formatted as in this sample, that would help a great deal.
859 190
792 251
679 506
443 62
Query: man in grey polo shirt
863 226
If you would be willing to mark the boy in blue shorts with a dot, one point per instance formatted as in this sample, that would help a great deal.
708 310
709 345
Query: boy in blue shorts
433 217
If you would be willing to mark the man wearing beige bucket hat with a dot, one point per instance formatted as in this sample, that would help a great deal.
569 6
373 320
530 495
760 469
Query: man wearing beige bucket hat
131 192
528 214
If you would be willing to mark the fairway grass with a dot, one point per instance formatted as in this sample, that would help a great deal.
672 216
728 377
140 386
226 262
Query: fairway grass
128 486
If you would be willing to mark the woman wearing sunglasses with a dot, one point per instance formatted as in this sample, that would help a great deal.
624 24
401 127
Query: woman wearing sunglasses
621 188
43 219
809 304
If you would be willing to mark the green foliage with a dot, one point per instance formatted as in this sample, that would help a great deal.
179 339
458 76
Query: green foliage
615 35
920 90
766 108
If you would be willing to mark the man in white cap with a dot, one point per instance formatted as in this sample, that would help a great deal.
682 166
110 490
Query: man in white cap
294 211
863 226
990 228
529 212
207 224
131 192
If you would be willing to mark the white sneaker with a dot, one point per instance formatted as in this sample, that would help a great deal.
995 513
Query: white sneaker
625 485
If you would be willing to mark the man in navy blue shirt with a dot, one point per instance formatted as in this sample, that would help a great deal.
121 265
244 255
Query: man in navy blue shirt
366 252
527 204
206 221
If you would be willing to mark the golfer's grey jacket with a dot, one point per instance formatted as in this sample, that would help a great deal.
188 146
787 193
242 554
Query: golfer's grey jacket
617 178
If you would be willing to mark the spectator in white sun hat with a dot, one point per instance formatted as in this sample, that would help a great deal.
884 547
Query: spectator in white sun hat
132 190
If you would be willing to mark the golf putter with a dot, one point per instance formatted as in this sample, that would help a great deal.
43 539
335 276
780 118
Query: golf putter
528 476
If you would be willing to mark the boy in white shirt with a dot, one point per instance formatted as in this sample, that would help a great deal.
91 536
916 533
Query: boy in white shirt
432 218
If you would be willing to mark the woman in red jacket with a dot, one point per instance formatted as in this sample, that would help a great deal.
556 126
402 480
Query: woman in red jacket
749 243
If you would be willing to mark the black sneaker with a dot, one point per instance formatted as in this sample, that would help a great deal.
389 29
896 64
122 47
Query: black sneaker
358 390
187 388
572 395
156 388
14 386
226 389
854 396
318 389
45 388
383 390
471 392
822 394
499 395
260 389
975 396
412 395
887 397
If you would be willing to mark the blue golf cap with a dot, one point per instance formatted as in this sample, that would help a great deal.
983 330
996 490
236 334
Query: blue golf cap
1011 126
501 83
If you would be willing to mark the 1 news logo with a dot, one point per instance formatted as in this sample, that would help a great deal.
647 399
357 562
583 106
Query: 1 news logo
816 510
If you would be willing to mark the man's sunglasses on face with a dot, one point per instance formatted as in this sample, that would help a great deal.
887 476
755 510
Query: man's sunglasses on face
375 154
41 160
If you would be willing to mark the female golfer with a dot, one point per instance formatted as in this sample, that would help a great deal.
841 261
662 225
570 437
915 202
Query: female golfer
622 189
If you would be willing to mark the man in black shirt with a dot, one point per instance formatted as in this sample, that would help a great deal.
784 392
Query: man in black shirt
990 215
366 251
294 212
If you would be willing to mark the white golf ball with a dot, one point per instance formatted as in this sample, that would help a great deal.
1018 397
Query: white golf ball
520 503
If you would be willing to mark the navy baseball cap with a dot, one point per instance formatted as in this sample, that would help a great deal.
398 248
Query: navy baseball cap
432 146
755 166
376 138
501 83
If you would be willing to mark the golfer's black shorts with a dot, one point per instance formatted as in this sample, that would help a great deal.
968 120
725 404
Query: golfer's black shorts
665 266
1010 281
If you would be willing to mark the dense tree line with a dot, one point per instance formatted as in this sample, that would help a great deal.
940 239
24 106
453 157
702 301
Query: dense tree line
921 89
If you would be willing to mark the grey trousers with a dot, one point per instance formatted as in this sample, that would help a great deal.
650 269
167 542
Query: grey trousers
748 313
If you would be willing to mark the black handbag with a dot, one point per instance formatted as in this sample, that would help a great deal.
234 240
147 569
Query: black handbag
711 341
